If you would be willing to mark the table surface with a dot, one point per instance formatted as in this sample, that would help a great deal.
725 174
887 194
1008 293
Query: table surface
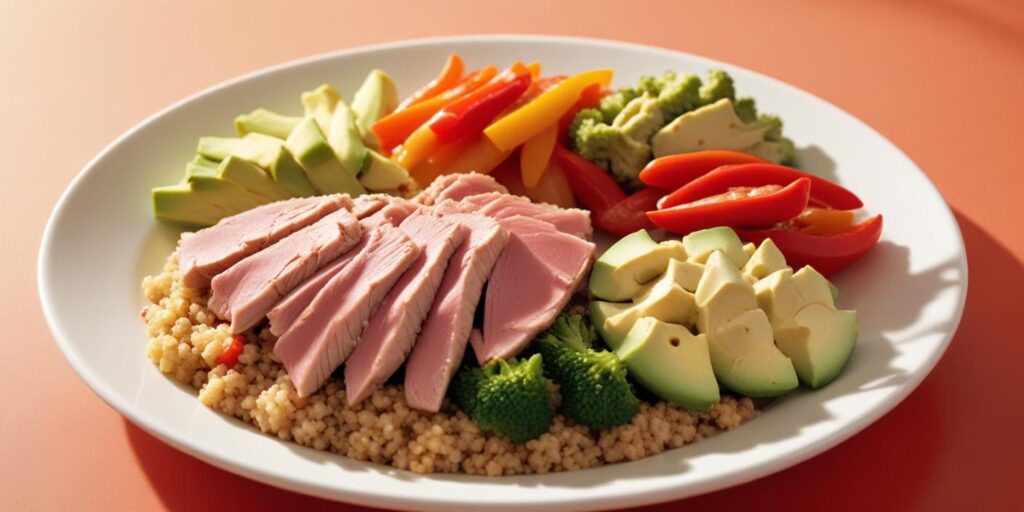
941 79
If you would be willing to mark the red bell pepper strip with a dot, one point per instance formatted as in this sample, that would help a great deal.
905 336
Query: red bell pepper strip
823 192
827 254
589 98
229 357
753 207
630 214
470 114
594 187
673 171
450 75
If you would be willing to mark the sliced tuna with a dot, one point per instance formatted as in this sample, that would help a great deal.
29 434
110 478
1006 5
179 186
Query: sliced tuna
323 336
368 204
442 341
393 327
458 186
210 251
572 221
292 305
244 293
534 278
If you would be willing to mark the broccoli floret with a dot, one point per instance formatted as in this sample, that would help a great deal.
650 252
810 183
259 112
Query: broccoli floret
508 398
774 133
612 104
678 94
745 109
622 146
593 383
718 86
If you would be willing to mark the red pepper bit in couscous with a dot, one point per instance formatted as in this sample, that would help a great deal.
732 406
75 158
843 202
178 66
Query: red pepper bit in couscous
188 342
230 355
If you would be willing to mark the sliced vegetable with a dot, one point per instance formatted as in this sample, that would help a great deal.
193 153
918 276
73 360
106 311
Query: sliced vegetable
673 171
450 75
824 221
827 254
630 214
470 114
737 207
420 145
535 155
399 125
552 188
229 357
594 187
480 155
589 98
439 162
526 122
823 192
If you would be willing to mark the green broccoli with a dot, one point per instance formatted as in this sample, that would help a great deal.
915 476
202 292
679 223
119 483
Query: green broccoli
593 383
718 86
678 94
622 146
509 398
784 148
610 106
745 109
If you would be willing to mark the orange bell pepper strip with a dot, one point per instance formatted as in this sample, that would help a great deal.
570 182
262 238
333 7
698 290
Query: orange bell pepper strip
534 68
440 162
421 144
398 126
544 111
824 221
480 155
535 155
450 75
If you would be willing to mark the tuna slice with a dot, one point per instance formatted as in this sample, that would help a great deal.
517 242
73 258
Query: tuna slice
210 251
571 221
368 204
458 186
323 336
442 341
293 304
245 292
534 278
392 330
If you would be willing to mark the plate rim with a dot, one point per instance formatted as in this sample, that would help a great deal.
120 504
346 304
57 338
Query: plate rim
370 498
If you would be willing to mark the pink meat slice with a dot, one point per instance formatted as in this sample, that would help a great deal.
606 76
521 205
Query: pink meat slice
442 341
458 186
368 204
210 251
571 221
293 304
245 292
328 330
393 327
534 278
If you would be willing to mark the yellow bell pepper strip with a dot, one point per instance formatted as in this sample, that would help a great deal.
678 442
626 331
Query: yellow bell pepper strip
450 75
470 114
480 155
398 126
519 126
535 155
420 145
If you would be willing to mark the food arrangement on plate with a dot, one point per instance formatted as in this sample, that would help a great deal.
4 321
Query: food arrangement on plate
343 260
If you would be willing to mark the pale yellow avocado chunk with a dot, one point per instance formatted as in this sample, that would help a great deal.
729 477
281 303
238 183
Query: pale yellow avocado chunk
743 352
319 104
600 311
667 302
715 126
765 260
684 273
630 263
806 325
376 98
317 158
700 244
672 362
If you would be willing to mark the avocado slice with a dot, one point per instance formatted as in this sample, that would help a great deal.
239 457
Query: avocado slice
252 178
714 126
383 174
765 260
266 122
202 201
700 244
264 151
376 98
632 261
317 158
749 249
344 137
600 311
319 104
684 273
667 302
743 352
807 326
670 361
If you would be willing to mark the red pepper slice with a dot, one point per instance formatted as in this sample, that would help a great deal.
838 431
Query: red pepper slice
229 357
756 207
827 254
589 98
470 114
823 192
630 214
591 185
673 171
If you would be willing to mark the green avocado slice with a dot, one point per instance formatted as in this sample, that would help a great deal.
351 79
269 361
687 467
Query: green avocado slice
317 158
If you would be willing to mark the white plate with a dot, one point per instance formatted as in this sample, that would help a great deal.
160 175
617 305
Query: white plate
101 240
